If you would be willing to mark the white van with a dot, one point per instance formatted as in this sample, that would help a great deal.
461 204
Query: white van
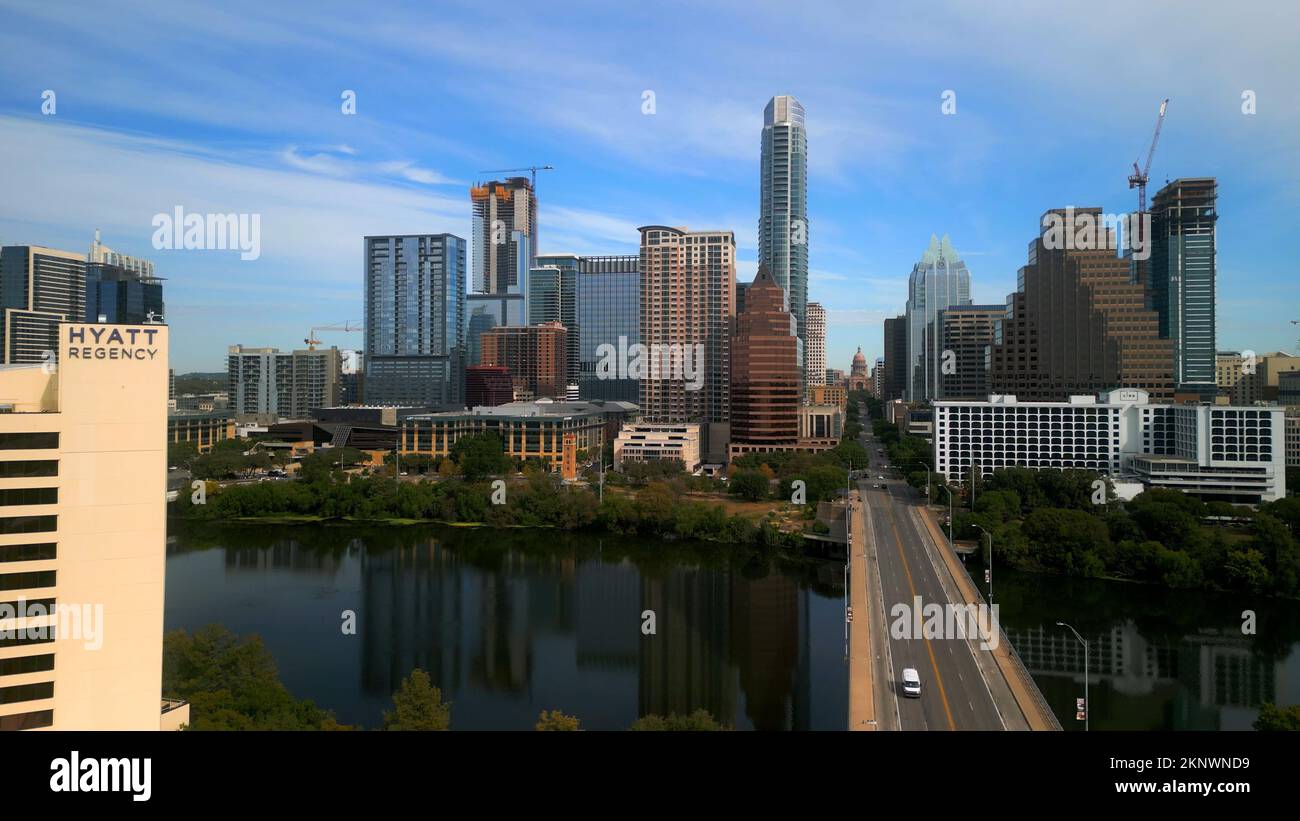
911 682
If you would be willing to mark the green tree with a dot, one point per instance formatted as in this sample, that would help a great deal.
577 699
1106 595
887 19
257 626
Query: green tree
751 485
418 705
557 721
698 721
232 684
1273 718
480 456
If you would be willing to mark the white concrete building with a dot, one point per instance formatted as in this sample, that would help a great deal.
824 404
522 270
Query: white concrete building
815 367
1235 453
646 441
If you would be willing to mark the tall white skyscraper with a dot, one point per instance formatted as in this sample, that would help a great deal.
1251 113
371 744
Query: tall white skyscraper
815 347
783 206
938 281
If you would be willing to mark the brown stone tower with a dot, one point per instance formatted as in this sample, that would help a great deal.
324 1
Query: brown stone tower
764 370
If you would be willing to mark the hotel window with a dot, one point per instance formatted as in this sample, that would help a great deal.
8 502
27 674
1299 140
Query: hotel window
26 692
29 496
32 467
28 552
27 721
28 441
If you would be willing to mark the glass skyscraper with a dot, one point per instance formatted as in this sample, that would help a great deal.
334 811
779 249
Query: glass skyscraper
783 206
609 307
552 297
940 280
122 296
1181 288
415 319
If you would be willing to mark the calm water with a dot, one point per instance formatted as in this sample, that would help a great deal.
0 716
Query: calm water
509 624
512 623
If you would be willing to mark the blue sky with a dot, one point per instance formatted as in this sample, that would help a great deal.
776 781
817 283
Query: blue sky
236 108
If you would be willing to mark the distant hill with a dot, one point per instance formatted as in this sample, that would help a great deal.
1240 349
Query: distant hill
200 382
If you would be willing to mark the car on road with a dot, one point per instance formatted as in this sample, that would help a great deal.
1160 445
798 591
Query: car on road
882 478
911 682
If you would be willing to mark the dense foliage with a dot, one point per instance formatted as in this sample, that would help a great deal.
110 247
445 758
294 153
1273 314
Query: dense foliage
232 684
418 705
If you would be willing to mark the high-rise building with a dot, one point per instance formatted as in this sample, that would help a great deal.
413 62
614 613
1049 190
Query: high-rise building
553 297
609 322
415 319
101 253
893 384
688 286
486 311
122 296
1181 286
783 205
535 355
765 389
83 453
1077 324
39 288
505 235
488 386
966 337
1229 367
815 346
268 382
938 281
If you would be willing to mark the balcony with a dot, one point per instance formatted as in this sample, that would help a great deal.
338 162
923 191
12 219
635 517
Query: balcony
175 714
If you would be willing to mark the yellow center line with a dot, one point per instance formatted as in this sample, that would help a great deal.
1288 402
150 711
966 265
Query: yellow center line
934 665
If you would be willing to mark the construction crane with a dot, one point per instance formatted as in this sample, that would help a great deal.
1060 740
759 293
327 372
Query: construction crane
1138 179
311 340
533 169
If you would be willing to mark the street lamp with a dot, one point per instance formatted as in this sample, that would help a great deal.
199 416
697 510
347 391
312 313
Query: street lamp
1087 707
989 569
950 521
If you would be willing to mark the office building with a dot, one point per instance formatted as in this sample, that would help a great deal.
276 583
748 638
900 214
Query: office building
415 319
527 430
266 382
120 296
202 428
765 389
783 206
894 380
878 377
815 346
505 235
83 474
102 254
483 312
488 386
939 280
1077 324
1181 284
649 442
1229 367
1288 388
1214 451
966 337
553 297
820 426
39 288
609 321
688 281
836 393
535 355
1260 377
1291 432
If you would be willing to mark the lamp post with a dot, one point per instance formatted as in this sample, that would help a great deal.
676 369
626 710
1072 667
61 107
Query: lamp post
989 569
950 521
1087 707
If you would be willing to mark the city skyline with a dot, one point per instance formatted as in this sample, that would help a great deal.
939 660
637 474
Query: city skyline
267 141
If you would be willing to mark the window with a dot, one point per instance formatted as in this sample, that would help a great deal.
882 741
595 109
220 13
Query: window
26 692
29 496
27 721
27 664
19 581
28 552
33 467
28 524
28 441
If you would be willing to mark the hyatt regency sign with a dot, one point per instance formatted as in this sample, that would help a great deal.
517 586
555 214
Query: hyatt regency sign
111 342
